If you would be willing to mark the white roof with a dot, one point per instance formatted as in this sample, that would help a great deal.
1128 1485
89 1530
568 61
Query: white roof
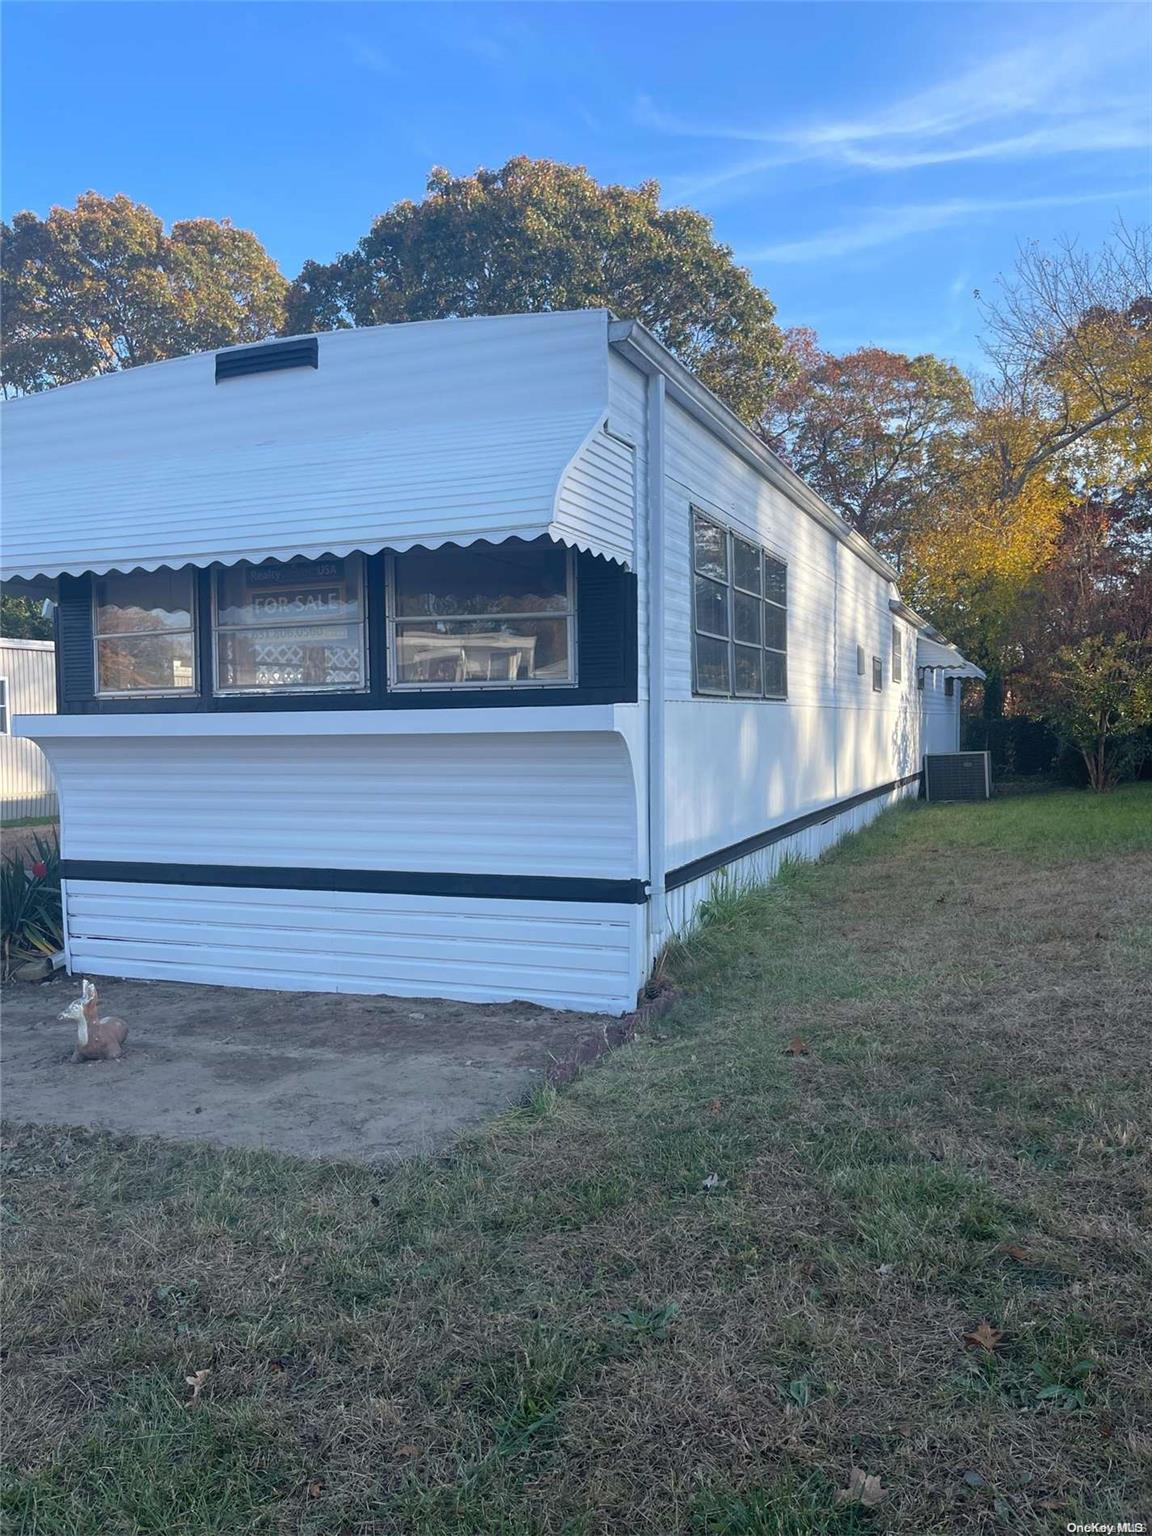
945 658
428 433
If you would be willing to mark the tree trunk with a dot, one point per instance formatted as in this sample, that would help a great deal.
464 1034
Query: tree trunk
993 696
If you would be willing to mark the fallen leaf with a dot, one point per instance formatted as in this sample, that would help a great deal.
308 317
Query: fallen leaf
715 1106
1014 1251
196 1382
886 1269
407 1450
315 1490
863 1488
797 1047
713 1181
974 1480
984 1336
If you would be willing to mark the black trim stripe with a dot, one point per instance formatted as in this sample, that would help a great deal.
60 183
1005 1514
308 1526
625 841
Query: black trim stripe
710 862
392 882
395 882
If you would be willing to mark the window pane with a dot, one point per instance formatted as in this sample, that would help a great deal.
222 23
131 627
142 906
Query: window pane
711 549
149 600
775 580
292 592
749 671
746 565
712 666
775 675
746 618
481 651
877 674
711 606
148 663
775 627
484 578
290 656
897 659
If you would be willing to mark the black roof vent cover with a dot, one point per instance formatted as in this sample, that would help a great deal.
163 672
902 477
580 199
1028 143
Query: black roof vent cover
269 358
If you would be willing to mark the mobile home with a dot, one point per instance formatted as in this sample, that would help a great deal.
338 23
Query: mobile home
457 658
27 687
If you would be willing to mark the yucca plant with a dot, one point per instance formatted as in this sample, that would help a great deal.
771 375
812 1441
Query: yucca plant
31 917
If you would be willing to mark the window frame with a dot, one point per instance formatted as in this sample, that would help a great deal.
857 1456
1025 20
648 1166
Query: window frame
732 589
877 674
190 572
5 716
897 656
949 687
294 690
490 685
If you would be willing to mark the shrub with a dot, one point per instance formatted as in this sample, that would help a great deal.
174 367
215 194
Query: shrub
31 916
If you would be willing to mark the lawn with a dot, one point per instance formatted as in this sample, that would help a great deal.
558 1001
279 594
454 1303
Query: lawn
905 1100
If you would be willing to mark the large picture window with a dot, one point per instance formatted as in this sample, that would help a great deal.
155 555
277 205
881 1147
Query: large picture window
740 615
144 632
291 626
489 615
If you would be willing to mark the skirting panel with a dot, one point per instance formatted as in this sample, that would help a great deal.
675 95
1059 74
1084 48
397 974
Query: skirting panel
574 955
758 868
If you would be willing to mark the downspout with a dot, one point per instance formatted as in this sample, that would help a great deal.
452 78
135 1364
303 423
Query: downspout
657 861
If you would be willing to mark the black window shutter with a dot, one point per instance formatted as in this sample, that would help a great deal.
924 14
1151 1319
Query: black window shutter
606 625
75 668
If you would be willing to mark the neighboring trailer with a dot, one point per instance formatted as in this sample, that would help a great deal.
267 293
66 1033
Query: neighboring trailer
461 658
27 687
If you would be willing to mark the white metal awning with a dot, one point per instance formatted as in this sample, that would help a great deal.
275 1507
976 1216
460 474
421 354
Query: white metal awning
945 658
425 434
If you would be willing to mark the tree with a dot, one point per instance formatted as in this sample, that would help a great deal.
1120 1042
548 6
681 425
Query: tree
1097 695
1069 340
878 434
21 619
537 235
100 287
1064 422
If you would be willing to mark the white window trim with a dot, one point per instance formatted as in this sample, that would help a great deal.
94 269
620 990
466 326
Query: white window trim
5 714
148 693
293 689
897 657
731 588
501 685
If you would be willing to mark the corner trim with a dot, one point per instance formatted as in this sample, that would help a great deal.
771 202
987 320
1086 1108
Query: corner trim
709 862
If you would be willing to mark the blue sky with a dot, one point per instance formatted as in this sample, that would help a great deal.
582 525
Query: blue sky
871 163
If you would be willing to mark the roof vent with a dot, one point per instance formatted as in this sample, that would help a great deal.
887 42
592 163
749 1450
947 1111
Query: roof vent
269 358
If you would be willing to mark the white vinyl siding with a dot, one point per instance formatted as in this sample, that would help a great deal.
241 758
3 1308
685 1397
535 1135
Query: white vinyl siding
554 803
558 954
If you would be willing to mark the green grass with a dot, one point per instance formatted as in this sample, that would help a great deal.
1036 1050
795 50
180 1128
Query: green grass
564 1326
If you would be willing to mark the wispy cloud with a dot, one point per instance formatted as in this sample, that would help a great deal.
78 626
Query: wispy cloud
884 226
1052 96
367 56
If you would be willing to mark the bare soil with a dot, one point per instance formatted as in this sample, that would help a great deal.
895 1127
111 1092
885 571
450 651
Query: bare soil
298 1072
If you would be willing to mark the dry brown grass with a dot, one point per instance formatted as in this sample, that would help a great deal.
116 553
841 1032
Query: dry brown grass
556 1329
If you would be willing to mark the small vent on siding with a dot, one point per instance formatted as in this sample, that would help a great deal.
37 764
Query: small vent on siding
957 776
269 358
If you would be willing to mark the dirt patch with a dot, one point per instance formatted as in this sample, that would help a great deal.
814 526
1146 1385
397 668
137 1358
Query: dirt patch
311 1074
22 840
